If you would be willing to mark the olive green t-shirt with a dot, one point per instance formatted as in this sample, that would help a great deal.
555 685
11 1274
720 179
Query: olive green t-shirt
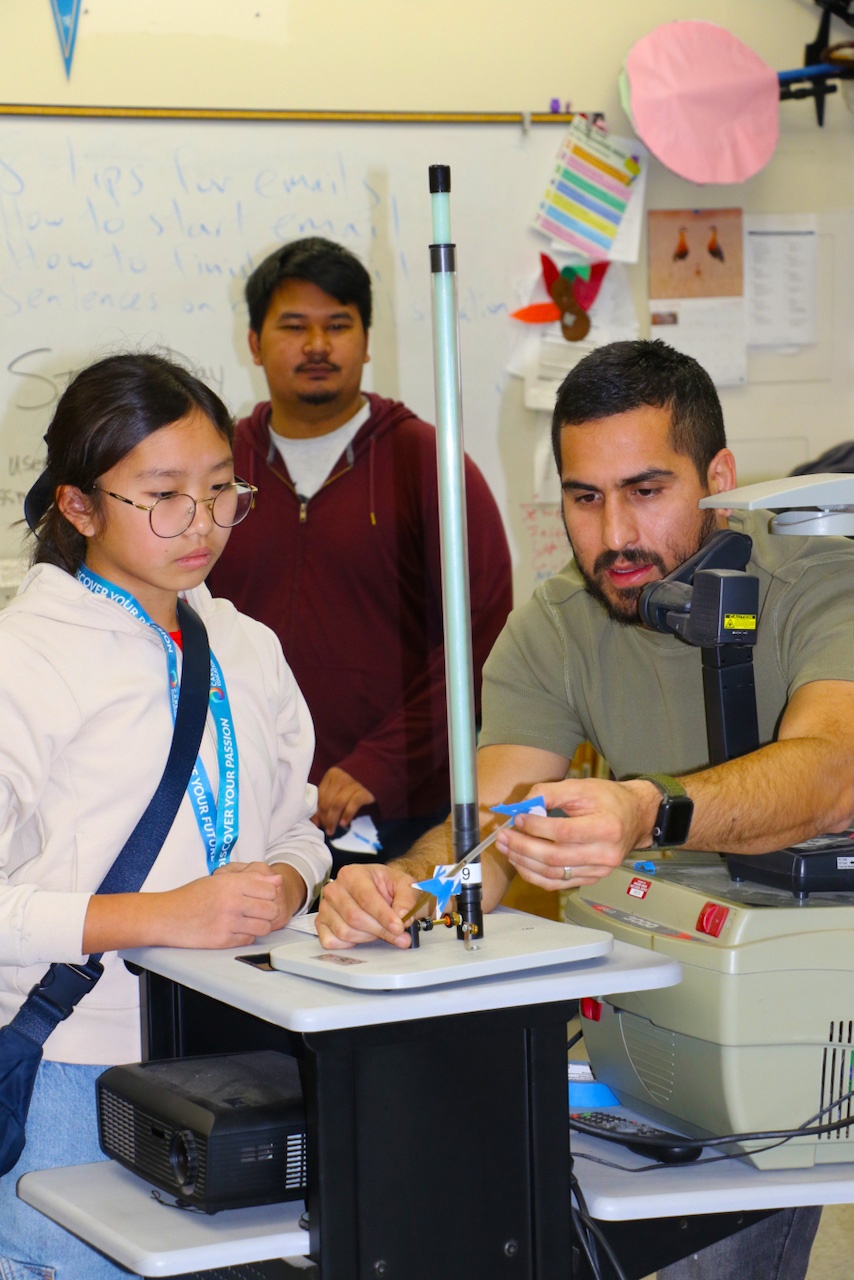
563 672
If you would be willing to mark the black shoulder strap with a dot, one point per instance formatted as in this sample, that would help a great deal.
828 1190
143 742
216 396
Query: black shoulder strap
54 998
128 872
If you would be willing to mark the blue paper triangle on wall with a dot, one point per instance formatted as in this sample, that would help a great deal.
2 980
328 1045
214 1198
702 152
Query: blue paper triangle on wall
66 14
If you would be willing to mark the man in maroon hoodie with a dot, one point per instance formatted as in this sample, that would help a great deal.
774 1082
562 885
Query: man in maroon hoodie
341 557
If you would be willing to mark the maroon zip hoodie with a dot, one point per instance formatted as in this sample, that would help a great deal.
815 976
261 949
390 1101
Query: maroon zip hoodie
350 581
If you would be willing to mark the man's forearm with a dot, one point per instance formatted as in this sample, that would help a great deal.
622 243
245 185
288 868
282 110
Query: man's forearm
436 848
785 792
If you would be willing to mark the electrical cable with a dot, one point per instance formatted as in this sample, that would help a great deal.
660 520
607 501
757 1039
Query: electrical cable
586 1227
584 1224
778 1136
580 1231
658 1164
575 1190
587 1232
612 1257
575 1187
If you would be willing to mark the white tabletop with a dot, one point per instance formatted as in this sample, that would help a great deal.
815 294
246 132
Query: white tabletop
114 1210
673 1191
305 1005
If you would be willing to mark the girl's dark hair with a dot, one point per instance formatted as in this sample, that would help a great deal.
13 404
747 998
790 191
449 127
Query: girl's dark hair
104 412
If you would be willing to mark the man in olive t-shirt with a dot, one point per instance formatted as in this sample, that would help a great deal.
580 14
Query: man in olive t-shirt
562 673
639 440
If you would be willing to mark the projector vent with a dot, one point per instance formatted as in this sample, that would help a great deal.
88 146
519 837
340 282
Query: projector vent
117 1126
652 1053
837 1079
295 1178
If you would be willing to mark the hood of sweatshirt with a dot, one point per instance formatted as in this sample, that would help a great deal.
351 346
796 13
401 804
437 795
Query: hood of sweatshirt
49 592
253 433
385 416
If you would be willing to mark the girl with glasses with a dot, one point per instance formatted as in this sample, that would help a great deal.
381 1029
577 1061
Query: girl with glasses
134 506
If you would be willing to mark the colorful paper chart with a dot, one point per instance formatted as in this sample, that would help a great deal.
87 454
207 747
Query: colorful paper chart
590 187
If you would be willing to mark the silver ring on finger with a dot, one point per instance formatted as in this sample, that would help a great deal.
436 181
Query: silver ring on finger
567 873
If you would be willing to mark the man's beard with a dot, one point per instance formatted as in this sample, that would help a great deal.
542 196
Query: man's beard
323 395
623 607
317 397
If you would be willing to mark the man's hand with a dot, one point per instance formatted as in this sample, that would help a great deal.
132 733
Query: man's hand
605 821
364 903
339 799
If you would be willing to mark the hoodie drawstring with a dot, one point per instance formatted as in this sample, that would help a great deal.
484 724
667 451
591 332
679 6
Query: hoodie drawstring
371 502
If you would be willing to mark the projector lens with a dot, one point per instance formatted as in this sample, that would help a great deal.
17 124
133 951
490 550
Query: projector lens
184 1160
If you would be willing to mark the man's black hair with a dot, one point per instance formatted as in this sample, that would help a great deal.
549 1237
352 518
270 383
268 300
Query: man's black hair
321 262
623 376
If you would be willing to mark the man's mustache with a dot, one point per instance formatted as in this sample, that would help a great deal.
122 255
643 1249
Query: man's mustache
633 555
307 365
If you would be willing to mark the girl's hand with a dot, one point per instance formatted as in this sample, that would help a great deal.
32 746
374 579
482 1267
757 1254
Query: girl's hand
237 904
290 894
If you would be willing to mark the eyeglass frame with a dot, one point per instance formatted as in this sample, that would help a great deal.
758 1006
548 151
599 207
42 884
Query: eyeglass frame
252 489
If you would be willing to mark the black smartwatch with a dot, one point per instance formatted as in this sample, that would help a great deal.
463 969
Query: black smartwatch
673 820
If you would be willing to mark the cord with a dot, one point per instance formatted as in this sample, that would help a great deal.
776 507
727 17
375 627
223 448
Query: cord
779 1136
579 1220
589 1234
612 1257
658 1164
579 1228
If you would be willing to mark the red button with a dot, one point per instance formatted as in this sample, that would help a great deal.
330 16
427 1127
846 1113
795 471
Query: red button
711 919
590 1008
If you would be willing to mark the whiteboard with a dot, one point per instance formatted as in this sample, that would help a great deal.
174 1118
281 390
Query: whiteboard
137 234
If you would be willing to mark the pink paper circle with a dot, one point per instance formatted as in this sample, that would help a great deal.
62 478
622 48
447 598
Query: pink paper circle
704 104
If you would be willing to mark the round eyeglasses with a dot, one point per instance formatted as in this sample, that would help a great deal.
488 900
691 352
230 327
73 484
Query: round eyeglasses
172 515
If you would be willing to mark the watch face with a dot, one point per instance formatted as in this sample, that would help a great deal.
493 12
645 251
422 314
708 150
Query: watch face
674 820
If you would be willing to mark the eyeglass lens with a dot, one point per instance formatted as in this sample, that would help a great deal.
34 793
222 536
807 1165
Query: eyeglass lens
173 515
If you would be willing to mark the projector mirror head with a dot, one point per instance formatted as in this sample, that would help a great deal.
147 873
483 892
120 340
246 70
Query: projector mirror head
809 505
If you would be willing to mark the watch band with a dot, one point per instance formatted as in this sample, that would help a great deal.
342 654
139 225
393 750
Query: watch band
668 786
673 820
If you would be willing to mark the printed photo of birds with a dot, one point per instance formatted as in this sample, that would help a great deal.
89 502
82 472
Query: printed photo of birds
695 253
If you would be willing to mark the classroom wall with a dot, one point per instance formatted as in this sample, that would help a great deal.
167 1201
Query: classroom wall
404 55
393 55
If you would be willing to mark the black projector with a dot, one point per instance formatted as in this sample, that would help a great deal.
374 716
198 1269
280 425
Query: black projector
219 1132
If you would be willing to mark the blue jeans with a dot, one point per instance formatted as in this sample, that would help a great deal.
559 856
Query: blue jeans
777 1248
62 1129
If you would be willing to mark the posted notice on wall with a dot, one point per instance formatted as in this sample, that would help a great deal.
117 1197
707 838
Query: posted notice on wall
780 274
696 288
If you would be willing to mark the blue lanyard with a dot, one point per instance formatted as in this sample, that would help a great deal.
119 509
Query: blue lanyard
218 822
